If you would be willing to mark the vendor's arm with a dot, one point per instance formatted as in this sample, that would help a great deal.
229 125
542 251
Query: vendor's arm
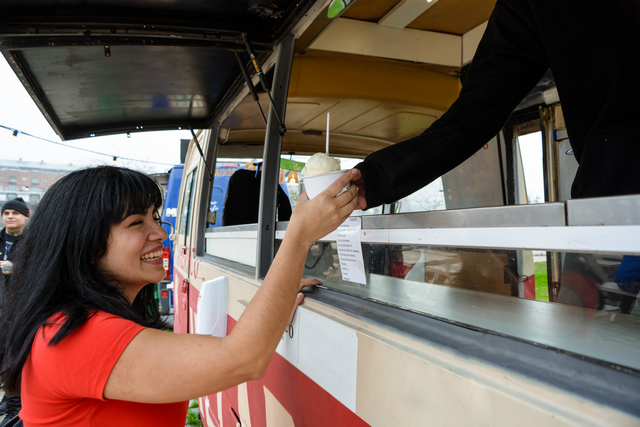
510 60
203 365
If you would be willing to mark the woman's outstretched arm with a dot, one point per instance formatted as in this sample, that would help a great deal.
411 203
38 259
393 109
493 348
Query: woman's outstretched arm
201 365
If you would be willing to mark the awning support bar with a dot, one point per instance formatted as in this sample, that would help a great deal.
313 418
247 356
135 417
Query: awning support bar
263 82
252 89
195 139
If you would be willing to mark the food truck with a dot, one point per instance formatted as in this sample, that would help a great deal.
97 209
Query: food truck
450 324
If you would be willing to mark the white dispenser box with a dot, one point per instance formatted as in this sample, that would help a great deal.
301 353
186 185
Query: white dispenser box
212 308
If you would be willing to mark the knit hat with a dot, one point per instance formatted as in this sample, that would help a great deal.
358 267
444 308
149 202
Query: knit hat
17 205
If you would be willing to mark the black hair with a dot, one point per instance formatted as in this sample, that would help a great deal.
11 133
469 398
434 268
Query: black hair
55 268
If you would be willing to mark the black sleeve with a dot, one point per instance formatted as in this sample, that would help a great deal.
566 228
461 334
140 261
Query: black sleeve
14 249
508 63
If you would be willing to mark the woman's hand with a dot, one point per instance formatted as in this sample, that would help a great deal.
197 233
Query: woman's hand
314 219
303 283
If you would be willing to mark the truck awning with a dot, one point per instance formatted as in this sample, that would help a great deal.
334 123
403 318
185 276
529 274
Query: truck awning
97 67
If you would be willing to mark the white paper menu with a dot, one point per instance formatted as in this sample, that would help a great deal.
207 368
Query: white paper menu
350 251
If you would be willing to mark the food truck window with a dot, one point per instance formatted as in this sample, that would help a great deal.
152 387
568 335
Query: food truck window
530 149
595 313
185 213
236 193
477 181
223 170
429 198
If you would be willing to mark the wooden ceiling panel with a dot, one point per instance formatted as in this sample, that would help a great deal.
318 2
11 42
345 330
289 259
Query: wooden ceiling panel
454 16
248 143
247 115
373 103
400 126
343 76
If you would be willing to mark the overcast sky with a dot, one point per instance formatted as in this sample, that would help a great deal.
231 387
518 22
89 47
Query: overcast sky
18 111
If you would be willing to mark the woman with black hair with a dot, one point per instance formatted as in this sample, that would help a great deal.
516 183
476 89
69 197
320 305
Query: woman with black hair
80 336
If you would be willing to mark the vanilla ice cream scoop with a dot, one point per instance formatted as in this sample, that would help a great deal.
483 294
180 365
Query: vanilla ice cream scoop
320 163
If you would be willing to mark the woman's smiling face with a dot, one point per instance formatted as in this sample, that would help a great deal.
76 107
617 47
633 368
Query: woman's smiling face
134 253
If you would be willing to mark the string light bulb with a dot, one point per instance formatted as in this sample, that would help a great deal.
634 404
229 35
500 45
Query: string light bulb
15 133
114 160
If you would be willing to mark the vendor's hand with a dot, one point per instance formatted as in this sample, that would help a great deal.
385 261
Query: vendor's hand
358 181
313 219
300 297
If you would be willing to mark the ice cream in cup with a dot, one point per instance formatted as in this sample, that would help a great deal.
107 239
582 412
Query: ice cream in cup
319 173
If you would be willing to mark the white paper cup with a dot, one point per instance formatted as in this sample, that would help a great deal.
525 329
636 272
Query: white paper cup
316 184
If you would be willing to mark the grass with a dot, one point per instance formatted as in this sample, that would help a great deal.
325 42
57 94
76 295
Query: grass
192 418
542 287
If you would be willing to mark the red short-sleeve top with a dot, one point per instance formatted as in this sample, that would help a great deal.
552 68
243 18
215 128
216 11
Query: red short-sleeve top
63 385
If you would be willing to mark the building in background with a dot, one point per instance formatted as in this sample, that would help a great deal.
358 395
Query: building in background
29 180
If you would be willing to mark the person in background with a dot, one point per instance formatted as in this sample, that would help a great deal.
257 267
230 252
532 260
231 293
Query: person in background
14 217
82 334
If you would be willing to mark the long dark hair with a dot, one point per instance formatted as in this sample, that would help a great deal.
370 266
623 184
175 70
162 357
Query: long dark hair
55 261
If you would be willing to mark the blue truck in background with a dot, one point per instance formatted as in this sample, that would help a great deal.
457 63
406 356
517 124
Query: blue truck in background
169 213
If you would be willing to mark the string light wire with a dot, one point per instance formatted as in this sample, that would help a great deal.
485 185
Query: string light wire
17 131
